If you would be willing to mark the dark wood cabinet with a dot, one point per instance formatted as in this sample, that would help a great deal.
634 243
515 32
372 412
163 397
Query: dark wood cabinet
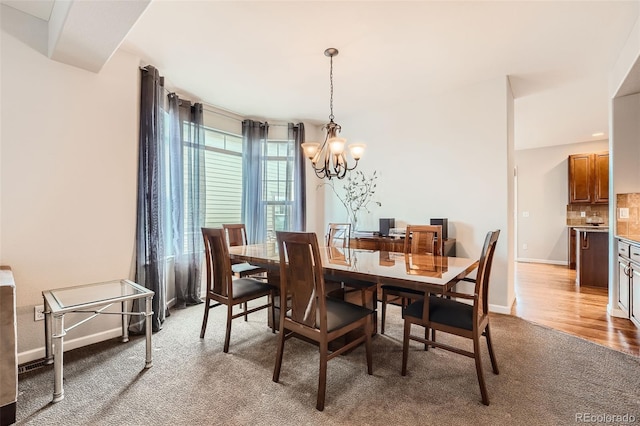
572 248
589 178
395 244
593 259
601 178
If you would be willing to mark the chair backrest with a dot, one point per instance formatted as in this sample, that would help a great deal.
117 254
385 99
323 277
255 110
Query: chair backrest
424 239
236 234
301 278
338 235
219 275
481 308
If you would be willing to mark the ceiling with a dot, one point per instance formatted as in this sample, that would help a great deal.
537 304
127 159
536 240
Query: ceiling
264 59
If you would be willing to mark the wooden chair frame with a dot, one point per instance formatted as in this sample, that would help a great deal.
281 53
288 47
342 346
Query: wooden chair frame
236 234
480 319
337 232
220 283
301 281
418 239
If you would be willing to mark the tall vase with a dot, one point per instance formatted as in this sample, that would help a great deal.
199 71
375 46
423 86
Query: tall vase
353 219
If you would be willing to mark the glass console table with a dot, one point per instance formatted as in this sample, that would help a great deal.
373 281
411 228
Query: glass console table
91 299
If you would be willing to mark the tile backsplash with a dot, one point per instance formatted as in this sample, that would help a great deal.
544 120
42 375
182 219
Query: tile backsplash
628 226
575 219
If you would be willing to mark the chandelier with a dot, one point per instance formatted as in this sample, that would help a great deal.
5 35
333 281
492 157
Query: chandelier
329 159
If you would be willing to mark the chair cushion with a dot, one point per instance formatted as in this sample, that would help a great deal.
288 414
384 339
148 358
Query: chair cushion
340 313
444 311
247 287
396 289
246 269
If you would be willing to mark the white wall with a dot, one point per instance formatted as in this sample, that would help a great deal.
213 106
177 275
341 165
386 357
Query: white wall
624 145
543 193
68 174
446 156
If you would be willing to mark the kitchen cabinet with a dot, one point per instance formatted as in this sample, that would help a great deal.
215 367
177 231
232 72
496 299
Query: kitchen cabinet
624 276
592 263
572 248
589 178
629 279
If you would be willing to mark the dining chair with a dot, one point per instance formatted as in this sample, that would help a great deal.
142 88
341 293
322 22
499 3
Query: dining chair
337 238
224 289
312 315
237 236
419 239
338 235
451 316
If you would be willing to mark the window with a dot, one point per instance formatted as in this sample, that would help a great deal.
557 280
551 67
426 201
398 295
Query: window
223 175
223 178
277 195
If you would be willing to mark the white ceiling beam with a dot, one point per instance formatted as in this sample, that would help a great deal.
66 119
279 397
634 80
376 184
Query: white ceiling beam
86 33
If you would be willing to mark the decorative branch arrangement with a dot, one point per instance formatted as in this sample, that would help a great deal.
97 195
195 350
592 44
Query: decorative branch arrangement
358 193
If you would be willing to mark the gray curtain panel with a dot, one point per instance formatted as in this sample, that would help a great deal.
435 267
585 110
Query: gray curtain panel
150 260
187 197
171 198
254 139
298 221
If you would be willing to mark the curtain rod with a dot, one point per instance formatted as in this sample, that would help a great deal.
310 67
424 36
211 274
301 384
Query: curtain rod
208 108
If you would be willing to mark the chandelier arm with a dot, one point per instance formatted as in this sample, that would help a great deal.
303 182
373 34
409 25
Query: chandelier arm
354 166
339 168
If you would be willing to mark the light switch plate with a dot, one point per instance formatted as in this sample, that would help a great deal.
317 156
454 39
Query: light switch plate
624 213
583 214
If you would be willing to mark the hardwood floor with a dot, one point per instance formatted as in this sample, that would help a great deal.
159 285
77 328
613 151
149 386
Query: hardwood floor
547 295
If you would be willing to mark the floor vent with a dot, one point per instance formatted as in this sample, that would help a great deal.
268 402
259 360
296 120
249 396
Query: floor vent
30 366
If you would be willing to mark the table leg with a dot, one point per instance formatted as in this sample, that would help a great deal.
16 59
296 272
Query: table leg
58 391
273 279
48 346
125 323
147 322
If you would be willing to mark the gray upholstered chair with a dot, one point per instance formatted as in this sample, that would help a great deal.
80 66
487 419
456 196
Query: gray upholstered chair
8 348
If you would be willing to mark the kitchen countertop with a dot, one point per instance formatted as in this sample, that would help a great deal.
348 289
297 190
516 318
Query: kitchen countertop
630 238
590 228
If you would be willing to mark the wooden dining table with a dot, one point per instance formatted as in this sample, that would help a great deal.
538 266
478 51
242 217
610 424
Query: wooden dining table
370 268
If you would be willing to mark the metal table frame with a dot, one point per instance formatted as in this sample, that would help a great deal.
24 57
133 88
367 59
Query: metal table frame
54 311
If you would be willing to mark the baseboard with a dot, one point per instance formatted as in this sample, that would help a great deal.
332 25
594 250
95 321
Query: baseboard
79 342
548 262
616 312
500 309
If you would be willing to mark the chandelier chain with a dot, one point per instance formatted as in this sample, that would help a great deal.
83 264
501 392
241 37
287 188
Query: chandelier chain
331 85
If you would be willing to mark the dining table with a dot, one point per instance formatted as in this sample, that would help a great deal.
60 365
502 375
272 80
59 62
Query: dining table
368 268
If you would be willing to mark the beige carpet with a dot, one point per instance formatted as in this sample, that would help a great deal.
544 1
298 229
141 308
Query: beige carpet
546 378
